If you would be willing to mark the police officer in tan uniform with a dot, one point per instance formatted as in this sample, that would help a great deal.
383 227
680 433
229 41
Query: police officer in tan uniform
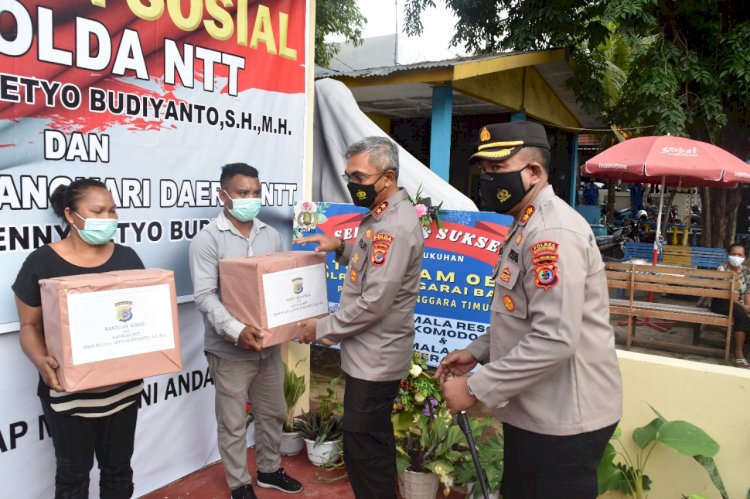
375 319
549 370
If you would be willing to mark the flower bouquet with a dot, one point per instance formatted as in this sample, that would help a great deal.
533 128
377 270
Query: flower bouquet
426 213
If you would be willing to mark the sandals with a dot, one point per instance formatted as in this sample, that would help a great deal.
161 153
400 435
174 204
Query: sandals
741 362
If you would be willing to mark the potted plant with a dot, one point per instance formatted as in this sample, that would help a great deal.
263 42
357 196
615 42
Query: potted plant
426 438
292 441
490 450
629 476
323 429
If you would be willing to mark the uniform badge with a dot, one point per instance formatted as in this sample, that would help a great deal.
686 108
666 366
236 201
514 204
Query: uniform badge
355 258
544 252
353 275
505 275
527 214
484 135
545 276
544 257
368 234
383 237
378 254
380 209
381 243
519 238
510 305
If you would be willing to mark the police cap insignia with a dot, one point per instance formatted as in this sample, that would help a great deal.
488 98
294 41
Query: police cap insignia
503 140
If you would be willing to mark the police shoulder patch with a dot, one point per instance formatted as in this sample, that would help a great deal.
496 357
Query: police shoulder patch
381 243
544 256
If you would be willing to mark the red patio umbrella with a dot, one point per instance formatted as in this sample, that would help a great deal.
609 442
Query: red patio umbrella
673 161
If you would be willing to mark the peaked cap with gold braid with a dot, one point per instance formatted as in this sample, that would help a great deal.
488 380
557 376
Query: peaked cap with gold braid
500 141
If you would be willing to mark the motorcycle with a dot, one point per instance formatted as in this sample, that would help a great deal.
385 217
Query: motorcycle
612 246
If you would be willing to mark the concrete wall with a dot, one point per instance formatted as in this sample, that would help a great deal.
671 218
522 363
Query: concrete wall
714 398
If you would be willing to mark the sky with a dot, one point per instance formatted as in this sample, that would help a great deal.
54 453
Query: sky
386 17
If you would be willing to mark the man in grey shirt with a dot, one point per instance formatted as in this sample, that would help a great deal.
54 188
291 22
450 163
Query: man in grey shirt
239 366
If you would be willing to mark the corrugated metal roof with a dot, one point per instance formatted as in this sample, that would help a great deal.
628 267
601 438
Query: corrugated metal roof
387 70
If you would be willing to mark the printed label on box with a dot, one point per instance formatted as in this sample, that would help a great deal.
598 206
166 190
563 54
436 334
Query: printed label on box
295 294
120 322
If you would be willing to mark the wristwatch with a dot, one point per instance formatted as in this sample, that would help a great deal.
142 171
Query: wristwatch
340 249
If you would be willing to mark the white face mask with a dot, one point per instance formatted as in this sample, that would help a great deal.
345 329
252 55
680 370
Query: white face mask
736 261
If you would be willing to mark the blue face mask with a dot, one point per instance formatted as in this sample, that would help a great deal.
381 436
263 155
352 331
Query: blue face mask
244 209
97 231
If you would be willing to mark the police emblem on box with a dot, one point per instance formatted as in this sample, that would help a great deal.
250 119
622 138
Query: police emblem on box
297 285
123 311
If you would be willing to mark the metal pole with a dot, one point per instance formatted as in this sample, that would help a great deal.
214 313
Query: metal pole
658 222
463 422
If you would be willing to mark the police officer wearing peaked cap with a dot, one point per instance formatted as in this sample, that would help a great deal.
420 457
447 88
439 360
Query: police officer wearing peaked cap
549 370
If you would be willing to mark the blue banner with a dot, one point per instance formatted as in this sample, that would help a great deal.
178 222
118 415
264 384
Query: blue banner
456 285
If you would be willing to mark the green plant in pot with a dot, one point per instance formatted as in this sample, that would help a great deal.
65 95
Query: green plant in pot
629 475
426 438
491 451
292 441
323 428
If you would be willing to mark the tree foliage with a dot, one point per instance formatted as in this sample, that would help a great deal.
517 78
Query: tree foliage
336 17
688 72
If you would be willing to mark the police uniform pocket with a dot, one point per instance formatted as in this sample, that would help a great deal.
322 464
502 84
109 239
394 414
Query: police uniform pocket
509 297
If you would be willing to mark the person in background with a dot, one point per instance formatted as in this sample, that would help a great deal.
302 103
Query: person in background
549 369
636 199
375 320
239 366
95 422
741 309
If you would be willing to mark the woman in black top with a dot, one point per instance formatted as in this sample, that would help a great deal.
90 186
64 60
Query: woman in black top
94 422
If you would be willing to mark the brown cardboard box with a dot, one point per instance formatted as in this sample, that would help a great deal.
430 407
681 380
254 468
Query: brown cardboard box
112 327
273 292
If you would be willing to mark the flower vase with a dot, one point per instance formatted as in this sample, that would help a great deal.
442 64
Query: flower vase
416 485
322 453
292 443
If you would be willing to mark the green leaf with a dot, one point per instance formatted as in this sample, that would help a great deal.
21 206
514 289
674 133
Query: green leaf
646 434
687 439
608 476
713 472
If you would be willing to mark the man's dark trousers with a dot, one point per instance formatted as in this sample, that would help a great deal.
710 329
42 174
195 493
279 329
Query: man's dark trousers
369 446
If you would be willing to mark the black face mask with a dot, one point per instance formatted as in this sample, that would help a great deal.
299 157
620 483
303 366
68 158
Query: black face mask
364 194
501 192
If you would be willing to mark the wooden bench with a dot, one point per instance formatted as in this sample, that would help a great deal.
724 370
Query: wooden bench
637 282
684 256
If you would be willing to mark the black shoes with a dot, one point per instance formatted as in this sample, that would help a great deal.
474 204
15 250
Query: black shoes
244 492
278 480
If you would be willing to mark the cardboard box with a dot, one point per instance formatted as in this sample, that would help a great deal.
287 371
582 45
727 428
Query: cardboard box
112 327
273 292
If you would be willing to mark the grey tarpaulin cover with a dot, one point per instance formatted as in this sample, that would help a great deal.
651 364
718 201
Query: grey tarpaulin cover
339 122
